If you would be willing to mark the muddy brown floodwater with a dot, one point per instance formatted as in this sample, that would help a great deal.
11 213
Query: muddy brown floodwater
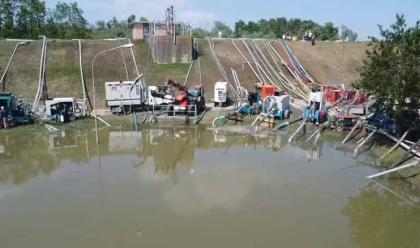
189 187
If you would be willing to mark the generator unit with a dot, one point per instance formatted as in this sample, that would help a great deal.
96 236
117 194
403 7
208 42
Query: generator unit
126 96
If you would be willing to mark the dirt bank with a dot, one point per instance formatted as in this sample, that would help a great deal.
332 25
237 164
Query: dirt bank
326 62
331 62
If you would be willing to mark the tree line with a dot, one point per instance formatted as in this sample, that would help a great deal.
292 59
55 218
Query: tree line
278 28
31 18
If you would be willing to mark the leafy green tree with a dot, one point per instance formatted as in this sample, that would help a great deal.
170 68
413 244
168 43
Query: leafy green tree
391 73
113 28
30 17
293 26
78 24
347 34
252 27
113 23
239 28
328 32
100 25
7 14
264 26
200 33
222 28
131 20
276 28
51 28
67 21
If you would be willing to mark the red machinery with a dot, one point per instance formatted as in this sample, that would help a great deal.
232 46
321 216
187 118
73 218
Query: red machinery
188 99
182 98
271 90
268 90
333 94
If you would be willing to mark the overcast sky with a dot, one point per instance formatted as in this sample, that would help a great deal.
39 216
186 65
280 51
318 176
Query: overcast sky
362 16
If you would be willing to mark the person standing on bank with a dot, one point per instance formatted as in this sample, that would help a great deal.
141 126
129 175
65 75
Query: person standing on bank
3 117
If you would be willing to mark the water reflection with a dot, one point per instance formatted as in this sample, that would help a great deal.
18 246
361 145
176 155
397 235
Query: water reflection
26 156
193 184
23 157
380 218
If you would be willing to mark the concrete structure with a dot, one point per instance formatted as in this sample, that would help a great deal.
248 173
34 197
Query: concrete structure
170 42
141 30
166 51
145 30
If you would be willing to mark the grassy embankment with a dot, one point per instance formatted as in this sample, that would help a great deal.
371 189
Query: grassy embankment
63 75
327 62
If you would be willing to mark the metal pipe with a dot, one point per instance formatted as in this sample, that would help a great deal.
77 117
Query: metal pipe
124 60
218 63
402 144
287 66
40 80
199 64
255 61
297 131
356 151
44 86
134 58
188 73
351 132
393 170
247 61
82 77
94 86
275 74
3 78
397 144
